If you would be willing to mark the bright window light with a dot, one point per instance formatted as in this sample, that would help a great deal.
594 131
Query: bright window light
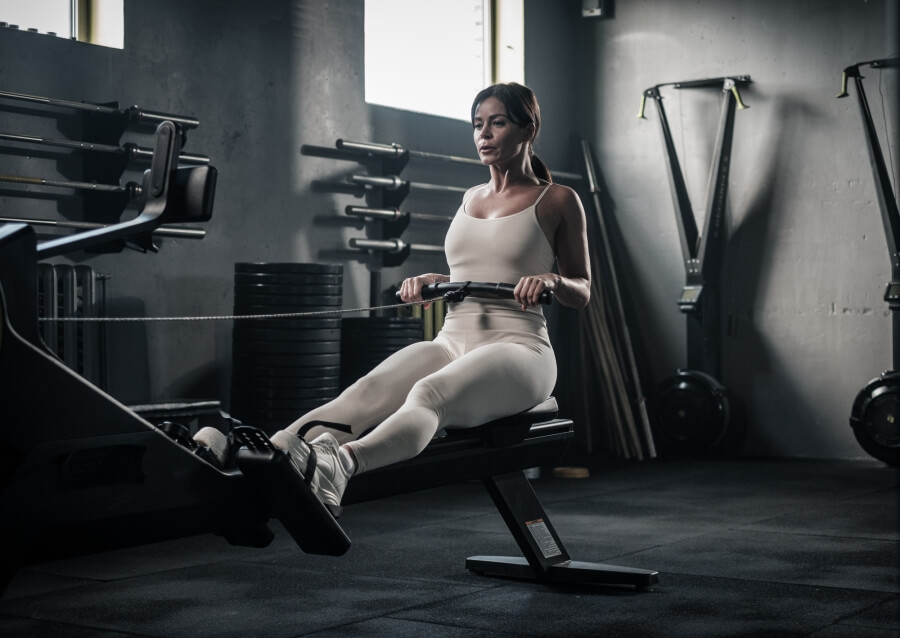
428 56
96 21
47 16
509 41
102 22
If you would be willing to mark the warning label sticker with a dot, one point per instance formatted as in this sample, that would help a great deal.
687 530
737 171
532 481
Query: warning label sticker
544 539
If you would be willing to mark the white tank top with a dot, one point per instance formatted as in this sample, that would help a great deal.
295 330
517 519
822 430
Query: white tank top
503 249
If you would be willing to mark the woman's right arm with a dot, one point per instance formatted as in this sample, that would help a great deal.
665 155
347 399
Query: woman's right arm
411 289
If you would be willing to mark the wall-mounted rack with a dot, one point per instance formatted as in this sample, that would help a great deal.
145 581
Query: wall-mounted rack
88 164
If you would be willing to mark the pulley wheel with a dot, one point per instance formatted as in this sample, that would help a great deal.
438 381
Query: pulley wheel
694 410
875 418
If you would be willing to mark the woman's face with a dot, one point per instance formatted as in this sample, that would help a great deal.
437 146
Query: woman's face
497 138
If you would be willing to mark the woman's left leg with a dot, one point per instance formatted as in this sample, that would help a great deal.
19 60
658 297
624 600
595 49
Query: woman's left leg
491 381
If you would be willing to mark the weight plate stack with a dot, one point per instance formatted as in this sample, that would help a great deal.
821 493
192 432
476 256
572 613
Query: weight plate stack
367 341
286 366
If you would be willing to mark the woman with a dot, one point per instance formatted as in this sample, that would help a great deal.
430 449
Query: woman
493 357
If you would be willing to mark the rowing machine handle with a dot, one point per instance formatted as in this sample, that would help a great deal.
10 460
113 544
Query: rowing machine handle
484 290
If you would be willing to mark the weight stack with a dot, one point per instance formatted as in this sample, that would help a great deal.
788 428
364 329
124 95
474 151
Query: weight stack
284 367
367 341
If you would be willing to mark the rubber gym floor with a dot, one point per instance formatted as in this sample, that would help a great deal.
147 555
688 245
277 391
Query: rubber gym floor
743 548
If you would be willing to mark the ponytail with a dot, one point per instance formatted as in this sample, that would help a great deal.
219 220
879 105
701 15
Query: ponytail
540 169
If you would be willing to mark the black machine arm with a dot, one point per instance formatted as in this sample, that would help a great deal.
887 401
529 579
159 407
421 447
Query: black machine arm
455 291
169 194
887 201
702 253
694 246
155 190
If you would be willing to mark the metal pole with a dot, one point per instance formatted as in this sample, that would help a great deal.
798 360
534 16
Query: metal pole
393 245
713 238
79 106
132 150
393 214
396 150
393 182
619 308
687 225
135 113
131 188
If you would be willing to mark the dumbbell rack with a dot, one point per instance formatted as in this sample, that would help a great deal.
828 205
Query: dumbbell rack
384 193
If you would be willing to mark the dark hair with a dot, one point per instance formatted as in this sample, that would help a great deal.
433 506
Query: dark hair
523 109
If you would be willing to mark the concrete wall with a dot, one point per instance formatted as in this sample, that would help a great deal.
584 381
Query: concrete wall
806 259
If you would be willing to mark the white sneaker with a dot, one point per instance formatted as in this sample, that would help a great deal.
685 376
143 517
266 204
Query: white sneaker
217 443
329 478
296 448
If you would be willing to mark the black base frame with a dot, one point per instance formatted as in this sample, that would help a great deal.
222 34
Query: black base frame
544 556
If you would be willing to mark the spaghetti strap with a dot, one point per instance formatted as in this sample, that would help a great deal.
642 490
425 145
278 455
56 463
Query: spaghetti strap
541 196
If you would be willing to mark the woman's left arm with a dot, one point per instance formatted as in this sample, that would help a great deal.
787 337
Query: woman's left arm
572 286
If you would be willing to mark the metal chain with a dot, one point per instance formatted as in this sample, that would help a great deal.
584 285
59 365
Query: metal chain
282 315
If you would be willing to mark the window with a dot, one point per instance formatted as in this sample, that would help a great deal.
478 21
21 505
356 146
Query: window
433 56
96 21
47 16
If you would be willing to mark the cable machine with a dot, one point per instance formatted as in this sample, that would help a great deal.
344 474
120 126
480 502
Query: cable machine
693 406
875 416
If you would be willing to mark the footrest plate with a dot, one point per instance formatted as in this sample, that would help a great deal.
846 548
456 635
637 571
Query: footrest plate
290 499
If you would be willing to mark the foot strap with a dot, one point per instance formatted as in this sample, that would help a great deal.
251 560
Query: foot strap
288 493
340 427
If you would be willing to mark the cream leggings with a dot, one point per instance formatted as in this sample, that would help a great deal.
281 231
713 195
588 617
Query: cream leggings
467 376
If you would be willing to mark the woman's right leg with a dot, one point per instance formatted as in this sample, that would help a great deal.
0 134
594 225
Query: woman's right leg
377 395
361 406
